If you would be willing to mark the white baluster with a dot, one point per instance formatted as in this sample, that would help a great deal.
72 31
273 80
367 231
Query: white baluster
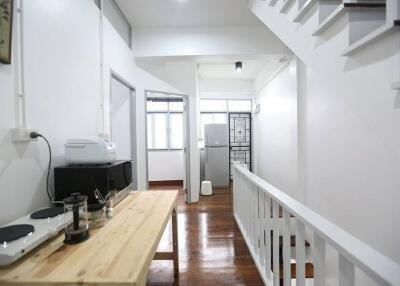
275 246
234 192
249 211
286 248
319 260
346 271
261 227
247 197
300 254
250 214
251 207
255 213
268 222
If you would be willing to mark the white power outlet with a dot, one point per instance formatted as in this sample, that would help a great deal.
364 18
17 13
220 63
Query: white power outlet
22 134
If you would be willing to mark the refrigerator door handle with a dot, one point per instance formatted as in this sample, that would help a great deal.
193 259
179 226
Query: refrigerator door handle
205 154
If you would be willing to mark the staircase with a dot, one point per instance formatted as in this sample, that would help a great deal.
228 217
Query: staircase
277 230
316 30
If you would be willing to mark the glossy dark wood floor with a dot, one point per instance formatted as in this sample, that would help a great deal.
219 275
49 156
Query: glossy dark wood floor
211 248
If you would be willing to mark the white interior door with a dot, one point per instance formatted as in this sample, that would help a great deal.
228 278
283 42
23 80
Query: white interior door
123 123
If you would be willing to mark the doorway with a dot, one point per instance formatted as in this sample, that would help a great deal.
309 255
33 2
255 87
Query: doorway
123 122
167 143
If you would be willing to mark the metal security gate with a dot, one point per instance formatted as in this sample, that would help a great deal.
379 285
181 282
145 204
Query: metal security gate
240 139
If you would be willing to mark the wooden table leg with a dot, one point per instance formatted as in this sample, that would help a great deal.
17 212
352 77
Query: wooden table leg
175 242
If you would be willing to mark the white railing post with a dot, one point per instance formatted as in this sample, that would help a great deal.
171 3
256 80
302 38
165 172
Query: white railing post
256 222
300 254
255 215
319 260
346 271
275 243
286 248
261 226
268 245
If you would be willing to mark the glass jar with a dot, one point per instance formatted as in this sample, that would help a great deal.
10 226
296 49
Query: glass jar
97 215
75 206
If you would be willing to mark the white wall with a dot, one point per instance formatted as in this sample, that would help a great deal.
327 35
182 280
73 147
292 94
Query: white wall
276 132
118 58
62 88
347 171
193 41
166 165
225 88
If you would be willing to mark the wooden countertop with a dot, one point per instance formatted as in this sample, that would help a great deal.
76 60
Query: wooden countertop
117 254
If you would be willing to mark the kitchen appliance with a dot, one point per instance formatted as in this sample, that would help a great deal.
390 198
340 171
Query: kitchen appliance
216 154
109 179
26 233
90 150
77 230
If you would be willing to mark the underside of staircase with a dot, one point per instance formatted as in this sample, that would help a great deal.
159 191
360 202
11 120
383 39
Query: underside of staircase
359 24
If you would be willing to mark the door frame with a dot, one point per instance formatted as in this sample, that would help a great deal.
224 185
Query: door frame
186 148
114 75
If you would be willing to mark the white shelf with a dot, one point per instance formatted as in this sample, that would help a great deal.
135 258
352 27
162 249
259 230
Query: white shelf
303 11
369 39
396 85
329 20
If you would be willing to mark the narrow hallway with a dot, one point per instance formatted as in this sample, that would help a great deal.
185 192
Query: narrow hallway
211 248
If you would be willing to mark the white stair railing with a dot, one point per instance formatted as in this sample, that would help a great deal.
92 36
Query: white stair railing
263 214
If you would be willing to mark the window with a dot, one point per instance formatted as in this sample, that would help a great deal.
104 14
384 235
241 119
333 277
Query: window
214 111
165 124
212 105
157 123
239 105
176 130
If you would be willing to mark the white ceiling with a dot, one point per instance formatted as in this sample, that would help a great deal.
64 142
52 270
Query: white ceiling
180 13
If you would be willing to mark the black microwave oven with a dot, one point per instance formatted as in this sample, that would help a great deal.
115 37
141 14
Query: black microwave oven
115 177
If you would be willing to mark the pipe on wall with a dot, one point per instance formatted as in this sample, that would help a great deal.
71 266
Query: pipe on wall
20 74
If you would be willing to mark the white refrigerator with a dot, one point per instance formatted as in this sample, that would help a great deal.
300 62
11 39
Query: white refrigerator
216 154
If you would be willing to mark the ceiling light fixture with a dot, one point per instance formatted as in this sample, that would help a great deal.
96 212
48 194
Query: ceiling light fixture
238 66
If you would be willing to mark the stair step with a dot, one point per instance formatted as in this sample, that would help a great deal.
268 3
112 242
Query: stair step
285 6
273 2
369 39
365 5
330 20
303 11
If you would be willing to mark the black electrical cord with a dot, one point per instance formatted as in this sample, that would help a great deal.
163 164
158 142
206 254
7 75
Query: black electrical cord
36 135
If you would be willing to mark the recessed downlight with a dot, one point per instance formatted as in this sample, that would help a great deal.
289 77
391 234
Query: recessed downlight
238 66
